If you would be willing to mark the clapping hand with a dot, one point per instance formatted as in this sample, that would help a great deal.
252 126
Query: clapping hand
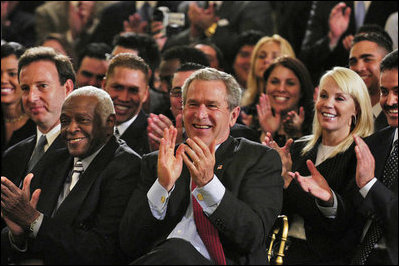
268 122
316 184
365 162
285 156
293 121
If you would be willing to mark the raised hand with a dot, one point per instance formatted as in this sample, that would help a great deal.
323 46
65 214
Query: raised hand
169 165
293 121
338 22
156 127
80 16
268 122
365 162
17 207
135 24
285 156
316 184
200 160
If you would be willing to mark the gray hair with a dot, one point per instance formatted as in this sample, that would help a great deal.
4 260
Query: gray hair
105 106
209 74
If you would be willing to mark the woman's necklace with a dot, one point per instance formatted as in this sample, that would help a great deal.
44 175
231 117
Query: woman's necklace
16 119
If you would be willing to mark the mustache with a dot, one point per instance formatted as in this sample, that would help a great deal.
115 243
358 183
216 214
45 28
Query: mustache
389 107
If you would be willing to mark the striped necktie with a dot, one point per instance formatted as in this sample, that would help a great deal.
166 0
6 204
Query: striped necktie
208 233
37 153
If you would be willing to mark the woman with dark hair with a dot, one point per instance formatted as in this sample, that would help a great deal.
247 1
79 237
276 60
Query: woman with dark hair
285 106
16 125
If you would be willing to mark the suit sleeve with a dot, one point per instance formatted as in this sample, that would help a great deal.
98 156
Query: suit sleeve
250 207
93 239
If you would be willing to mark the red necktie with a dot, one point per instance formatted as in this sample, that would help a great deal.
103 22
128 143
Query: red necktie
208 232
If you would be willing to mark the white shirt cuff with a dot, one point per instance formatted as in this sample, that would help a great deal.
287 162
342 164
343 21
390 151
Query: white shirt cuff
210 195
329 212
158 198
365 190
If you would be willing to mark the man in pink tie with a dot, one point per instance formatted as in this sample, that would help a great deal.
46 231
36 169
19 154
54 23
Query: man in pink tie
214 199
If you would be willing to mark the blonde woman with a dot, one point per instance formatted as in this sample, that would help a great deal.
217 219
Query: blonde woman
342 109
266 50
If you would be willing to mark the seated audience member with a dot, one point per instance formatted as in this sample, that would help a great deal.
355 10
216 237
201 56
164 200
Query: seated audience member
75 20
46 78
60 44
377 176
374 195
17 124
329 23
157 123
79 195
285 106
266 50
146 47
127 16
127 84
368 49
342 110
222 21
244 46
176 198
171 60
213 53
17 25
92 65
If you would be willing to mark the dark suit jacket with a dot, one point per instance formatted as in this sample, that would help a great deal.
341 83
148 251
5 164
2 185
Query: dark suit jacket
380 122
244 217
380 200
136 136
14 163
328 240
84 230
27 130
315 52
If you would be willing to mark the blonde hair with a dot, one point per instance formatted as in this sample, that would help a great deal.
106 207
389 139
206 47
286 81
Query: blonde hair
255 85
351 83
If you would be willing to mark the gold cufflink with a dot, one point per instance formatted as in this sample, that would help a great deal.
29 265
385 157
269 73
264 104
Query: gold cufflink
200 197
163 199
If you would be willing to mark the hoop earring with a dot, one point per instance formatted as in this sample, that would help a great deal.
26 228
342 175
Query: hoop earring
354 121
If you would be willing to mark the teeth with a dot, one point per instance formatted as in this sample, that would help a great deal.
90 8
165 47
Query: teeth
75 140
280 98
328 115
122 108
202 127
393 111
6 90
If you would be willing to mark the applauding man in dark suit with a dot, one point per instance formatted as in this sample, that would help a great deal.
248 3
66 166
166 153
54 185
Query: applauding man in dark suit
233 187
78 195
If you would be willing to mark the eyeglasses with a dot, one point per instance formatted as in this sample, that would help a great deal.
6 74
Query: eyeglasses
175 92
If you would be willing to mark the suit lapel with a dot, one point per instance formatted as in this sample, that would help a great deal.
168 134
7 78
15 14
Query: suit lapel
223 156
70 206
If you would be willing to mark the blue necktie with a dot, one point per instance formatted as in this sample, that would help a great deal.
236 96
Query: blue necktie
360 13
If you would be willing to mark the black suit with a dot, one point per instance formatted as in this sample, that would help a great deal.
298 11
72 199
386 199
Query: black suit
315 52
136 136
326 241
380 122
251 174
381 200
84 230
14 164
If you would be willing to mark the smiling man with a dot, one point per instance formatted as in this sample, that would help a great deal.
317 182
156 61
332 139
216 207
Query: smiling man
78 195
127 84
366 54
46 78
210 179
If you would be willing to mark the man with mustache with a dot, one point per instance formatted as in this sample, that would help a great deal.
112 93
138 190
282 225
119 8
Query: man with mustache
368 49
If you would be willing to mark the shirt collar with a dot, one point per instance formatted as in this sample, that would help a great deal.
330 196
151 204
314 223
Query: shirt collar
50 136
377 109
123 126
87 161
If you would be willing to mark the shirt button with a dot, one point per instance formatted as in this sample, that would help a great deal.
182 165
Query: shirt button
200 197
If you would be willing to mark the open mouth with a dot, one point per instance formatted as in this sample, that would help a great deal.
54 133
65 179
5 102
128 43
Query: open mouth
6 91
328 115
201 126
75 140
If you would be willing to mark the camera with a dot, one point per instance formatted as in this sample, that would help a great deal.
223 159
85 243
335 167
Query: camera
172 22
